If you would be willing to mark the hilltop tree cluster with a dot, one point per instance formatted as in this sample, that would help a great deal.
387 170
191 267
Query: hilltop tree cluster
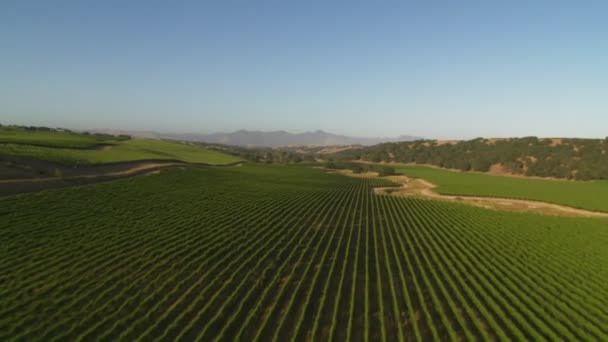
262 155
581 159
18 128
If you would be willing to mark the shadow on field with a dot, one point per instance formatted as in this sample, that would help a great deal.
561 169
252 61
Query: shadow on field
23 175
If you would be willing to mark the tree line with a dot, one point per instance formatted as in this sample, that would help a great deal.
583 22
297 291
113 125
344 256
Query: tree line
19 128
263 155
580 159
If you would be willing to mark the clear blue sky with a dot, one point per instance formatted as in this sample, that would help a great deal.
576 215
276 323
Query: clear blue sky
444 69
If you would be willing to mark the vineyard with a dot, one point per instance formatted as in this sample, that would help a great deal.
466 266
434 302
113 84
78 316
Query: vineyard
279 253
53 139
590 195
71 149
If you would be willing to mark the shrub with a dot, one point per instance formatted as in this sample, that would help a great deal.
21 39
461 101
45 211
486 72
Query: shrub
386 171
358 169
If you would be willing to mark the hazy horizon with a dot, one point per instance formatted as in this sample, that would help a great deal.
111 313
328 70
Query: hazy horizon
450 71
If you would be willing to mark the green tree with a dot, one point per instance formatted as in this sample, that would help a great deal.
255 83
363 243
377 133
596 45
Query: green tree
386 171
358 169
481 164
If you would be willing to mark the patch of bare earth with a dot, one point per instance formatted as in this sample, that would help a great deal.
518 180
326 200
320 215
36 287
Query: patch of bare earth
422 188
446 142
533 159
369 162
492 141
142 167
499 170
368 174
555 141
335 149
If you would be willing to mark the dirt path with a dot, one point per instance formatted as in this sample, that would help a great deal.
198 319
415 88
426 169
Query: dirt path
422 188
142 167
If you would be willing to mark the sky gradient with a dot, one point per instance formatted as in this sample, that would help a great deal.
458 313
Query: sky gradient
367 68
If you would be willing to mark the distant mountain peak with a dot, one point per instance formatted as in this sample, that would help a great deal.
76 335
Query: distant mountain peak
283 138
247 138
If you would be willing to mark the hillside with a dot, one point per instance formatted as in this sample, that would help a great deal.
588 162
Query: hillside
56 138
580 159
71 148
130 150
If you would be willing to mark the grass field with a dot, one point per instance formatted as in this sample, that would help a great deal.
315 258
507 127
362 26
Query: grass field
279 253
53 139
128 150
584 195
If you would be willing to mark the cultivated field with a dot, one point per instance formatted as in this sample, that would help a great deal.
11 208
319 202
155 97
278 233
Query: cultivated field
279 253
591 195
111 151
53 139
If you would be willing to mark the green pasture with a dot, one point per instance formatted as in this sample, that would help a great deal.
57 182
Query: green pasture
592 195
52 139
121 151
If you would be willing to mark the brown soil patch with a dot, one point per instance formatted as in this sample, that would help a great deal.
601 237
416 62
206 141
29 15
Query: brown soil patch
334 149
555 141
368 174
140 168
499 170
531 158
492 141
446 142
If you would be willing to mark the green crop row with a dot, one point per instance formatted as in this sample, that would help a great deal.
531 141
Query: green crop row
284 253
54 139
591 195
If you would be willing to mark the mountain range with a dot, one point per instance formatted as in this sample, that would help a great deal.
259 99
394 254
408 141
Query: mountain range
248 138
